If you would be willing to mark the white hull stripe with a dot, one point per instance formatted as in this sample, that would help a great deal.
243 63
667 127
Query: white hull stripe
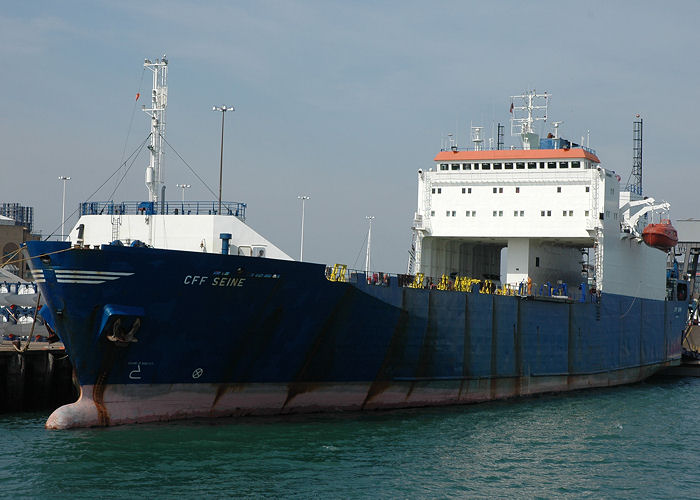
87 277
71 272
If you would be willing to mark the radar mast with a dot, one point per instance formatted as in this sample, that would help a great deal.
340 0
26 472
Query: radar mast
159 101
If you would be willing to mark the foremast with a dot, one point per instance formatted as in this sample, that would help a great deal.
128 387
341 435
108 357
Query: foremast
159 101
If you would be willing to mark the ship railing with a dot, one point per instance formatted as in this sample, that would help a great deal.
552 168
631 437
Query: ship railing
547 290
515 148
233 208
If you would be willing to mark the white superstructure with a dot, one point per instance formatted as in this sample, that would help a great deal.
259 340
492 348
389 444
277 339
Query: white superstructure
189 226
559 213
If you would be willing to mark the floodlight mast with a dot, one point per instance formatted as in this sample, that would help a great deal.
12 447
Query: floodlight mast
159 101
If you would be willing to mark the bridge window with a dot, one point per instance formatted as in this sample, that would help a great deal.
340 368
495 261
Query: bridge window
520 165
485 166
443 166
466 166
563 164
531 164
497 166
551 164
509 166
455 166
575 164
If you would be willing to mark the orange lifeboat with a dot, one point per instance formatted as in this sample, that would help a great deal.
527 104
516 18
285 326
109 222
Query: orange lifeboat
662 236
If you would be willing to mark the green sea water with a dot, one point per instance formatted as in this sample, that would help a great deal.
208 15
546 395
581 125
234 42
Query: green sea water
640 441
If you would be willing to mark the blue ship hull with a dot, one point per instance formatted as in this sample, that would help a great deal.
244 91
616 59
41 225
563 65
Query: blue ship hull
159 334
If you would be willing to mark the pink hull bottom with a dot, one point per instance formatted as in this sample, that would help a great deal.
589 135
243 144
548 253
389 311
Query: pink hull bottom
139 403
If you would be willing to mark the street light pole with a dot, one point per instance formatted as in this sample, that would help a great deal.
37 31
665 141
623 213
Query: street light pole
303 199
183 187
63 205
223 110
369 244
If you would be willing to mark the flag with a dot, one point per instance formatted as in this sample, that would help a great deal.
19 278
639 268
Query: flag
511 107
138 94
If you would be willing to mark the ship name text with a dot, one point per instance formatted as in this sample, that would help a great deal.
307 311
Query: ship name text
219 281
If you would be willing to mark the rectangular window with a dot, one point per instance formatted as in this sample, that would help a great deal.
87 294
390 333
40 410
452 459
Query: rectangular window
495 190
447 214
468 213
432 213
433 190
520 165
571 213
495 213
564 213
500 213
464 190
575 164
485 166
476 166
500 190
454 213
531 164
558 189
443 166
588 188
551 164
473 213
549 213
509 166
542 213
439 190
515 213
517 189
469 190
563 164
586 213
522 213
541 164
497 166
455 166
537 262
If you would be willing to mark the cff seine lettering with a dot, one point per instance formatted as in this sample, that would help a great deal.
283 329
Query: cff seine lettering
222 281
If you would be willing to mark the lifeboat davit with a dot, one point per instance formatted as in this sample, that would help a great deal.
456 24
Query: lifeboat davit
662 236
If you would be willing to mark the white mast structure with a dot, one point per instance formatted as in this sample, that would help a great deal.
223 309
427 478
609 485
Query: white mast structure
532 104
369 245
159 101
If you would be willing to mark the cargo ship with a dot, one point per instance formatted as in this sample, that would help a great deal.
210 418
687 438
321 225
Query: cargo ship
527 275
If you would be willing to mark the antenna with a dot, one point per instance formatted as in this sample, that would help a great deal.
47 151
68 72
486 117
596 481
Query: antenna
499 144
159 101
531 107
634 183
477 139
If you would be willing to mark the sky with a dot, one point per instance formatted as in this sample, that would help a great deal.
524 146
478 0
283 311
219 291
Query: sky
340 101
